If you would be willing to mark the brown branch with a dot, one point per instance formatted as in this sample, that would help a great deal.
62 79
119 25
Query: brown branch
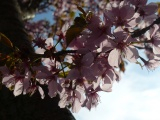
49 54
138 33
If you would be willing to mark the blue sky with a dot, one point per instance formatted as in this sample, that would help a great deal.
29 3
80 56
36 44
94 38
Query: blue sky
135 97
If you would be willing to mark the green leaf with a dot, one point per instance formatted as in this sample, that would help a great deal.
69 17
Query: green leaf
61 74
80 21
72 33
72 14
5 40
75 30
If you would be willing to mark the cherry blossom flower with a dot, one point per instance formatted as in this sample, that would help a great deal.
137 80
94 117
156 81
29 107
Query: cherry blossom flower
32 89
120 14
121 48
138 3
47 76
82 68
20 82
105 42
92 98
147 9
154 36
152 64
71 94
145 22
48 46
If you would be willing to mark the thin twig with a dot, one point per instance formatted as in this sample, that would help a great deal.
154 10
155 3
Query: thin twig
138 33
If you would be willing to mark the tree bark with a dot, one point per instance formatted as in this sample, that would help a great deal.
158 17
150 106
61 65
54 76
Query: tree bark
24 107
12 26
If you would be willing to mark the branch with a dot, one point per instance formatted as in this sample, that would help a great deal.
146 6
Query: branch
138 33
64 52
49 54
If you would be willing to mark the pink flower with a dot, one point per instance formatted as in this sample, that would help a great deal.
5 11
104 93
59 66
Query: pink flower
92 98
106 75
40 43
120 14
20 82
53 88
48 77
138 3
122 49
152 64
82 68
147 9
71 95
95 33
32 89
155 39
48 45
146 21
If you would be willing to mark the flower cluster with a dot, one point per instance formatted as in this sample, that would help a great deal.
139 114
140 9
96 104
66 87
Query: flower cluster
92 54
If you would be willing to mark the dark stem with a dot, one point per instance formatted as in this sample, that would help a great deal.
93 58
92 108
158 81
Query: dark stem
146 41
138 33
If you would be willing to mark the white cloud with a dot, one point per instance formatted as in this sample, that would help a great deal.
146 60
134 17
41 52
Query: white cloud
135 97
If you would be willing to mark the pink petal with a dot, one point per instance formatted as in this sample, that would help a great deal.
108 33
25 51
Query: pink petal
87 73
152 64
63 102
131 54
7 78
79 95
52 87
96 21
154 30
106 87
18 88
76 105
49 42
138 2
26 83
87 59
73 74
107 84
126 12
89 103
156 49
151 8
114 57
40 51
41 92
111 74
